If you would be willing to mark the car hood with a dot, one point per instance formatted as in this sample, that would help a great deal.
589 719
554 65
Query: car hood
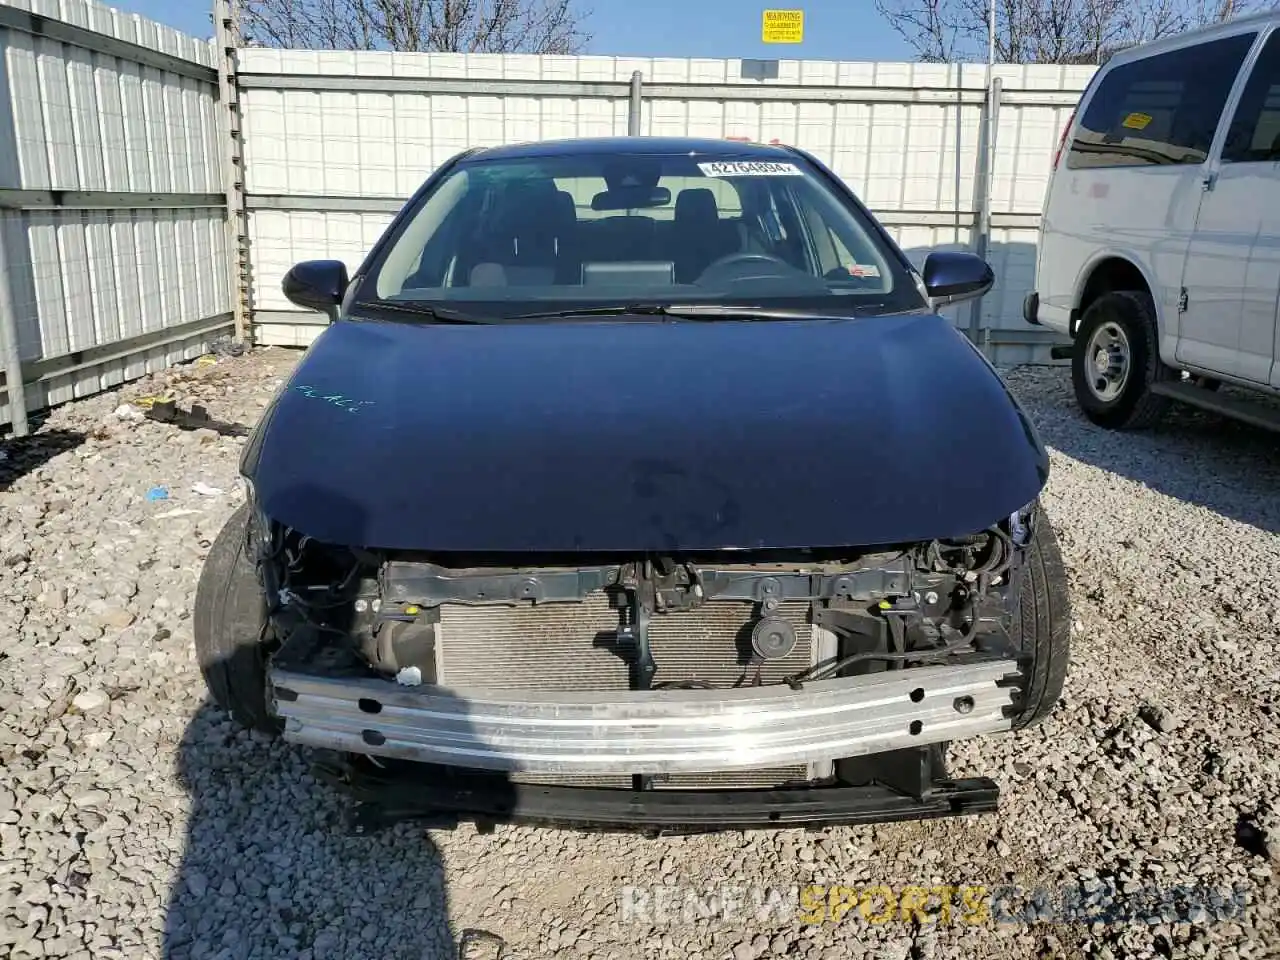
643 435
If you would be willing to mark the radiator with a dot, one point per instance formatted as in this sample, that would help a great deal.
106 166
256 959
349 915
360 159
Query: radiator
564 647
556 647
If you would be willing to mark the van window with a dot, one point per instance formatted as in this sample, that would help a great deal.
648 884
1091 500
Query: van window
1254 134
1160 109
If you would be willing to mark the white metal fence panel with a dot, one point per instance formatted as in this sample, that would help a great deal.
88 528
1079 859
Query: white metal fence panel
112 224
335 141
382 141
277 237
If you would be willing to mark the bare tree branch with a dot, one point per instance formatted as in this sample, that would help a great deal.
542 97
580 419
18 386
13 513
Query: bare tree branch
1049 31
454 26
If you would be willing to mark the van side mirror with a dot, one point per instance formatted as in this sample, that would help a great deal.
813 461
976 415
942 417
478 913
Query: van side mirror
317 285
953 277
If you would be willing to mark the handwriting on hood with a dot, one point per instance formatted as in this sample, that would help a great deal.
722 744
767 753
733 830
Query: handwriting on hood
350 404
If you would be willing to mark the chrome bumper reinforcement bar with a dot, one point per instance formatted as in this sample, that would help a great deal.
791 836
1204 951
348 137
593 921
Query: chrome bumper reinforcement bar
653 731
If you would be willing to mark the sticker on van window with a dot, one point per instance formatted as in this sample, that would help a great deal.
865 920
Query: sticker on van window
750 168
863 270
1137 121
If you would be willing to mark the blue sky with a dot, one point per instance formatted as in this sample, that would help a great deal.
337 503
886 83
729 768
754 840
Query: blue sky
833 29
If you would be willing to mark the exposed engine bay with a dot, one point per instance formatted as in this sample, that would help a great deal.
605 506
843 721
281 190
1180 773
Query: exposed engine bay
706 624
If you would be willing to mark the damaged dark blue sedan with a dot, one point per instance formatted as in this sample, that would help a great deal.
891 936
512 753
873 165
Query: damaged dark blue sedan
637 483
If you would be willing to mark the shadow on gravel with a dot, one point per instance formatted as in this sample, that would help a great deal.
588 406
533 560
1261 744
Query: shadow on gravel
1198 457
279 861
270 867
21 455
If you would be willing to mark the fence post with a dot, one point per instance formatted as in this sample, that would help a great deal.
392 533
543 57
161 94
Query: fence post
633 108
227 32
14 386
986 166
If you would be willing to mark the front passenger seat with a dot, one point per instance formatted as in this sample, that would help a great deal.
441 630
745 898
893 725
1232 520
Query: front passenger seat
522 248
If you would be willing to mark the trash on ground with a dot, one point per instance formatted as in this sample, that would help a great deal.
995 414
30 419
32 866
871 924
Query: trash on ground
205 490
127 411
409 677
225 346
170 514
150 400
197 418
158 493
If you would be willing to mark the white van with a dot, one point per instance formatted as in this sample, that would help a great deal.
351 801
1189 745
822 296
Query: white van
1159 250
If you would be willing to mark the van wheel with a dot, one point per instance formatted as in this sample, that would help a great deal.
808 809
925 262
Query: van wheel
1116 359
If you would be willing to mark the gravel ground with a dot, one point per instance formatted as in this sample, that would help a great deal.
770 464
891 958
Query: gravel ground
136 821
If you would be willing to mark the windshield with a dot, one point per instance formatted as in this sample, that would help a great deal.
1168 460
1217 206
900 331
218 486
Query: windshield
533 234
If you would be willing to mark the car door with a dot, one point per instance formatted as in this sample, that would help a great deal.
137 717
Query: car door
1251 165
1231 278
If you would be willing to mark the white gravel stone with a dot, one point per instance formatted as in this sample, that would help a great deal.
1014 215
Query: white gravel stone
150 826
91 701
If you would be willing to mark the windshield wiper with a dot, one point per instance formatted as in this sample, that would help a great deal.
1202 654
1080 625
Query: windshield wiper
683 311
438 314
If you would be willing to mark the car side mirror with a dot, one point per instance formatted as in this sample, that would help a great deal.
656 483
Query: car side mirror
953 277
317 285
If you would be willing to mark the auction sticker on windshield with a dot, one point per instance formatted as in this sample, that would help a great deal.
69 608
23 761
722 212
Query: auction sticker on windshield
750 168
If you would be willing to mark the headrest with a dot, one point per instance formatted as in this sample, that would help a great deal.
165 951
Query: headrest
529 210
519 198
698 203
566 209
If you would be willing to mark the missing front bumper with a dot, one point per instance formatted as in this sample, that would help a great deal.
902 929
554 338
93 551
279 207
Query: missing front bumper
647 732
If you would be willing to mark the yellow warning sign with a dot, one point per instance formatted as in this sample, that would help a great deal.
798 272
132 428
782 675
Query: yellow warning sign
1137 121
782 26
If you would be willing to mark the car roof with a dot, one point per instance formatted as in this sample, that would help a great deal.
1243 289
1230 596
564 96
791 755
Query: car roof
652 146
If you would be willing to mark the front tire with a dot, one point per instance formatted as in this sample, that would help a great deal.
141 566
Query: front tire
1042 624
229 622
1116 359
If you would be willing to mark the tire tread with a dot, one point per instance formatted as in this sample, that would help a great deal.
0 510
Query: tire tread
227 622
1044 623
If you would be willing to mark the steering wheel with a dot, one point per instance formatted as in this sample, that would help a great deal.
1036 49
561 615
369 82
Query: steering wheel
734 263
